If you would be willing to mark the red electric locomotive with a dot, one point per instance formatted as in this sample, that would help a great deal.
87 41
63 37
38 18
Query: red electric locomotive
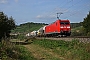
59 27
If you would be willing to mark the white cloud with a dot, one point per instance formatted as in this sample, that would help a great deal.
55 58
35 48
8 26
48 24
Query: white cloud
6 1
3 1
46 16
16 0
39 16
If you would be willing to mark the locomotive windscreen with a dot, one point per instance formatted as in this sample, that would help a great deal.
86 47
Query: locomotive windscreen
66 23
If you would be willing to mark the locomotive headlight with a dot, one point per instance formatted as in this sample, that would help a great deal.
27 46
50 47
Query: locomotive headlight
61 27
68 26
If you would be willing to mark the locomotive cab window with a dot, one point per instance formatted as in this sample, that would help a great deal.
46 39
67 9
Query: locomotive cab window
64 23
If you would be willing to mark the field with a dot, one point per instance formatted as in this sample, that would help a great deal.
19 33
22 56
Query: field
9 51
28 27
59 50
45 49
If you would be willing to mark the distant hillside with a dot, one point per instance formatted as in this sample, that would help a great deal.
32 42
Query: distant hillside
74 25
78 31
28 27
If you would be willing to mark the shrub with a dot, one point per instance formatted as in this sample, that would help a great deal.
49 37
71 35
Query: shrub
9 51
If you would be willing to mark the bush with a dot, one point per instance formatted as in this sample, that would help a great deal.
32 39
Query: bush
21 37
6 25
88 34
9 51
78 31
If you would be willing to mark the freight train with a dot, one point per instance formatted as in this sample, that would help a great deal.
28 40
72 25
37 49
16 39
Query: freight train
57 28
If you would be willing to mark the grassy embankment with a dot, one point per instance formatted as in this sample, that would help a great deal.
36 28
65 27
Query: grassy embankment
59 50
9 51
45 50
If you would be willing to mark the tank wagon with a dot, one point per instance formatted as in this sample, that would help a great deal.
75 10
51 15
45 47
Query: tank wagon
41 31
33 33
57 28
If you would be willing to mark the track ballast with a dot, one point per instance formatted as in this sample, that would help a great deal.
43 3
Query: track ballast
80 38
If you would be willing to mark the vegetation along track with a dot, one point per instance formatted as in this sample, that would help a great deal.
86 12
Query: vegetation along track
80 38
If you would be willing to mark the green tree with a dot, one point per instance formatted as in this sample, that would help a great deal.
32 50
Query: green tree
86 24
6 25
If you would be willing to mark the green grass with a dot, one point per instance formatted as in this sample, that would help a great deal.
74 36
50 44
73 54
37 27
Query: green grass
27 27
9 51
71 50
78 31
25 54
67 50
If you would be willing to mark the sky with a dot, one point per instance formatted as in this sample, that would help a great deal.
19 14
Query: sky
45 11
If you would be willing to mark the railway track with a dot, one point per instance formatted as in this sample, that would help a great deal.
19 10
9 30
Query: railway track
80 38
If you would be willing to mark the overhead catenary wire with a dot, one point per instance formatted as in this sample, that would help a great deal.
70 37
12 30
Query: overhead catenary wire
76 11
71 14
71 1
68 9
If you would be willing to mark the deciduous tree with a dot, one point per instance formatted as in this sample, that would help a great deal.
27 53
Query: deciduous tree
86 24
6 25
